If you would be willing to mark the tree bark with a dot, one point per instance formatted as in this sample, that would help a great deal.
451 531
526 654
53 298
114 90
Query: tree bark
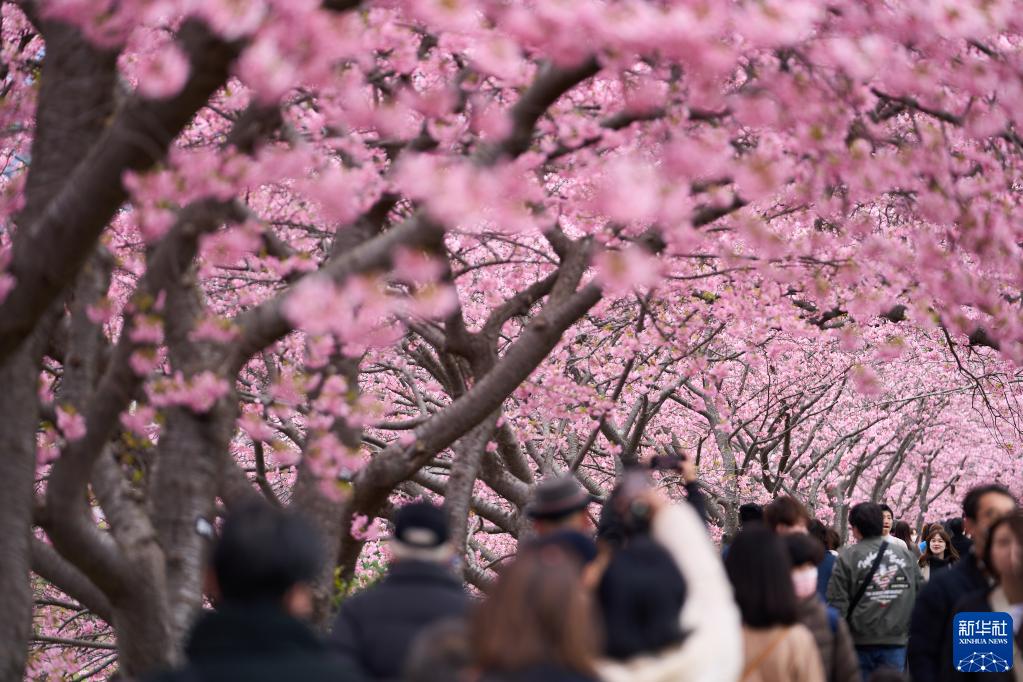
18 405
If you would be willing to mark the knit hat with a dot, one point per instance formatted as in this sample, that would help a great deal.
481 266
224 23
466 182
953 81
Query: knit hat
557 498
422 525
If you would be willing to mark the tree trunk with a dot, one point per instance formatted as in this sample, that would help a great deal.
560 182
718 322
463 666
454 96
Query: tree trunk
19 407
183 489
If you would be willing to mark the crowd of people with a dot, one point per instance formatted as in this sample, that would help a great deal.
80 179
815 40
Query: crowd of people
634 590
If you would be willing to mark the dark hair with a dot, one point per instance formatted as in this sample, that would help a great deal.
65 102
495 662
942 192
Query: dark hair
885 508
623 515
955 526
804 549
867 519
817 529
1015 523
641 595
538 612
950 551
834 540
902 531
750 512
785 511
760 571
971 503
440 653
263 552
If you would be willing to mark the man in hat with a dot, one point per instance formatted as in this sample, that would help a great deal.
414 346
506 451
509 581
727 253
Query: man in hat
376 628
560 504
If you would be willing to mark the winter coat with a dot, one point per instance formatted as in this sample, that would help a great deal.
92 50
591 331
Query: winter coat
929 656
258 643
838 655
981 601
376 627
709 615
934 566
882 616
537 673
780 654
824 571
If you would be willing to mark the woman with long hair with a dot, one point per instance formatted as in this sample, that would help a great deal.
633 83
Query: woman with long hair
538 623
939 554
776 647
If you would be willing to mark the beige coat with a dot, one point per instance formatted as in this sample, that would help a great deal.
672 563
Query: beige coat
781 654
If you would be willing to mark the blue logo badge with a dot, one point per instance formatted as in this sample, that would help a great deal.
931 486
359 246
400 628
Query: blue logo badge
982 642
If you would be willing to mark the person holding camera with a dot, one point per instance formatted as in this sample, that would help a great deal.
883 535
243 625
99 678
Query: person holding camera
667 605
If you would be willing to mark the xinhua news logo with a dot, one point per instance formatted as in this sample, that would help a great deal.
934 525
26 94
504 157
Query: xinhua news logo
982 642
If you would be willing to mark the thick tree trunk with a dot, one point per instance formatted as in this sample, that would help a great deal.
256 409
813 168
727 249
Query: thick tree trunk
18 405
183 489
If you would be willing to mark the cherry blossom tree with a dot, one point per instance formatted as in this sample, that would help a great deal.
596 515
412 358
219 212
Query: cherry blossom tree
330 254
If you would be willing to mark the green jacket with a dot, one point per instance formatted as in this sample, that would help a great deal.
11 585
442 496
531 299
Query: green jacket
883 614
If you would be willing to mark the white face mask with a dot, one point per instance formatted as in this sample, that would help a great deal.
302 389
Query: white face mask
804 580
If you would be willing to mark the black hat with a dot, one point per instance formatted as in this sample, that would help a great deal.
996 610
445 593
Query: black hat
558 497
421 524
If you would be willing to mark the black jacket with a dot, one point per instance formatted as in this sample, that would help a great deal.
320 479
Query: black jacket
930 631
256 644
977 602
962 544
538 673
376 627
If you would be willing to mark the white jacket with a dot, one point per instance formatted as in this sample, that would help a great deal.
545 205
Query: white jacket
713 650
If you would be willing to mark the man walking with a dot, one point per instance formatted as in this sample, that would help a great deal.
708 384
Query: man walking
873 586
375 629
930 642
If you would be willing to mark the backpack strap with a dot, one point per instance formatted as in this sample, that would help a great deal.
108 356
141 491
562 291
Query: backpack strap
752 665
866 580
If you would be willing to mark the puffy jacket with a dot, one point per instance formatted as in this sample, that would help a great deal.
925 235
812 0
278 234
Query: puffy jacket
930 636
256 643
838 655
709 615
882 616
375 628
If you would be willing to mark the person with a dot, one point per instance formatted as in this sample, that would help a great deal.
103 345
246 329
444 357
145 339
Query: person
641 594
538 622
939 555
903 532
635 511
828 627
375 628
560 504
750 512
889 525
957 529
930 641
786 514
827 564
874 585
440 653
1003 556
776 647
263 566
